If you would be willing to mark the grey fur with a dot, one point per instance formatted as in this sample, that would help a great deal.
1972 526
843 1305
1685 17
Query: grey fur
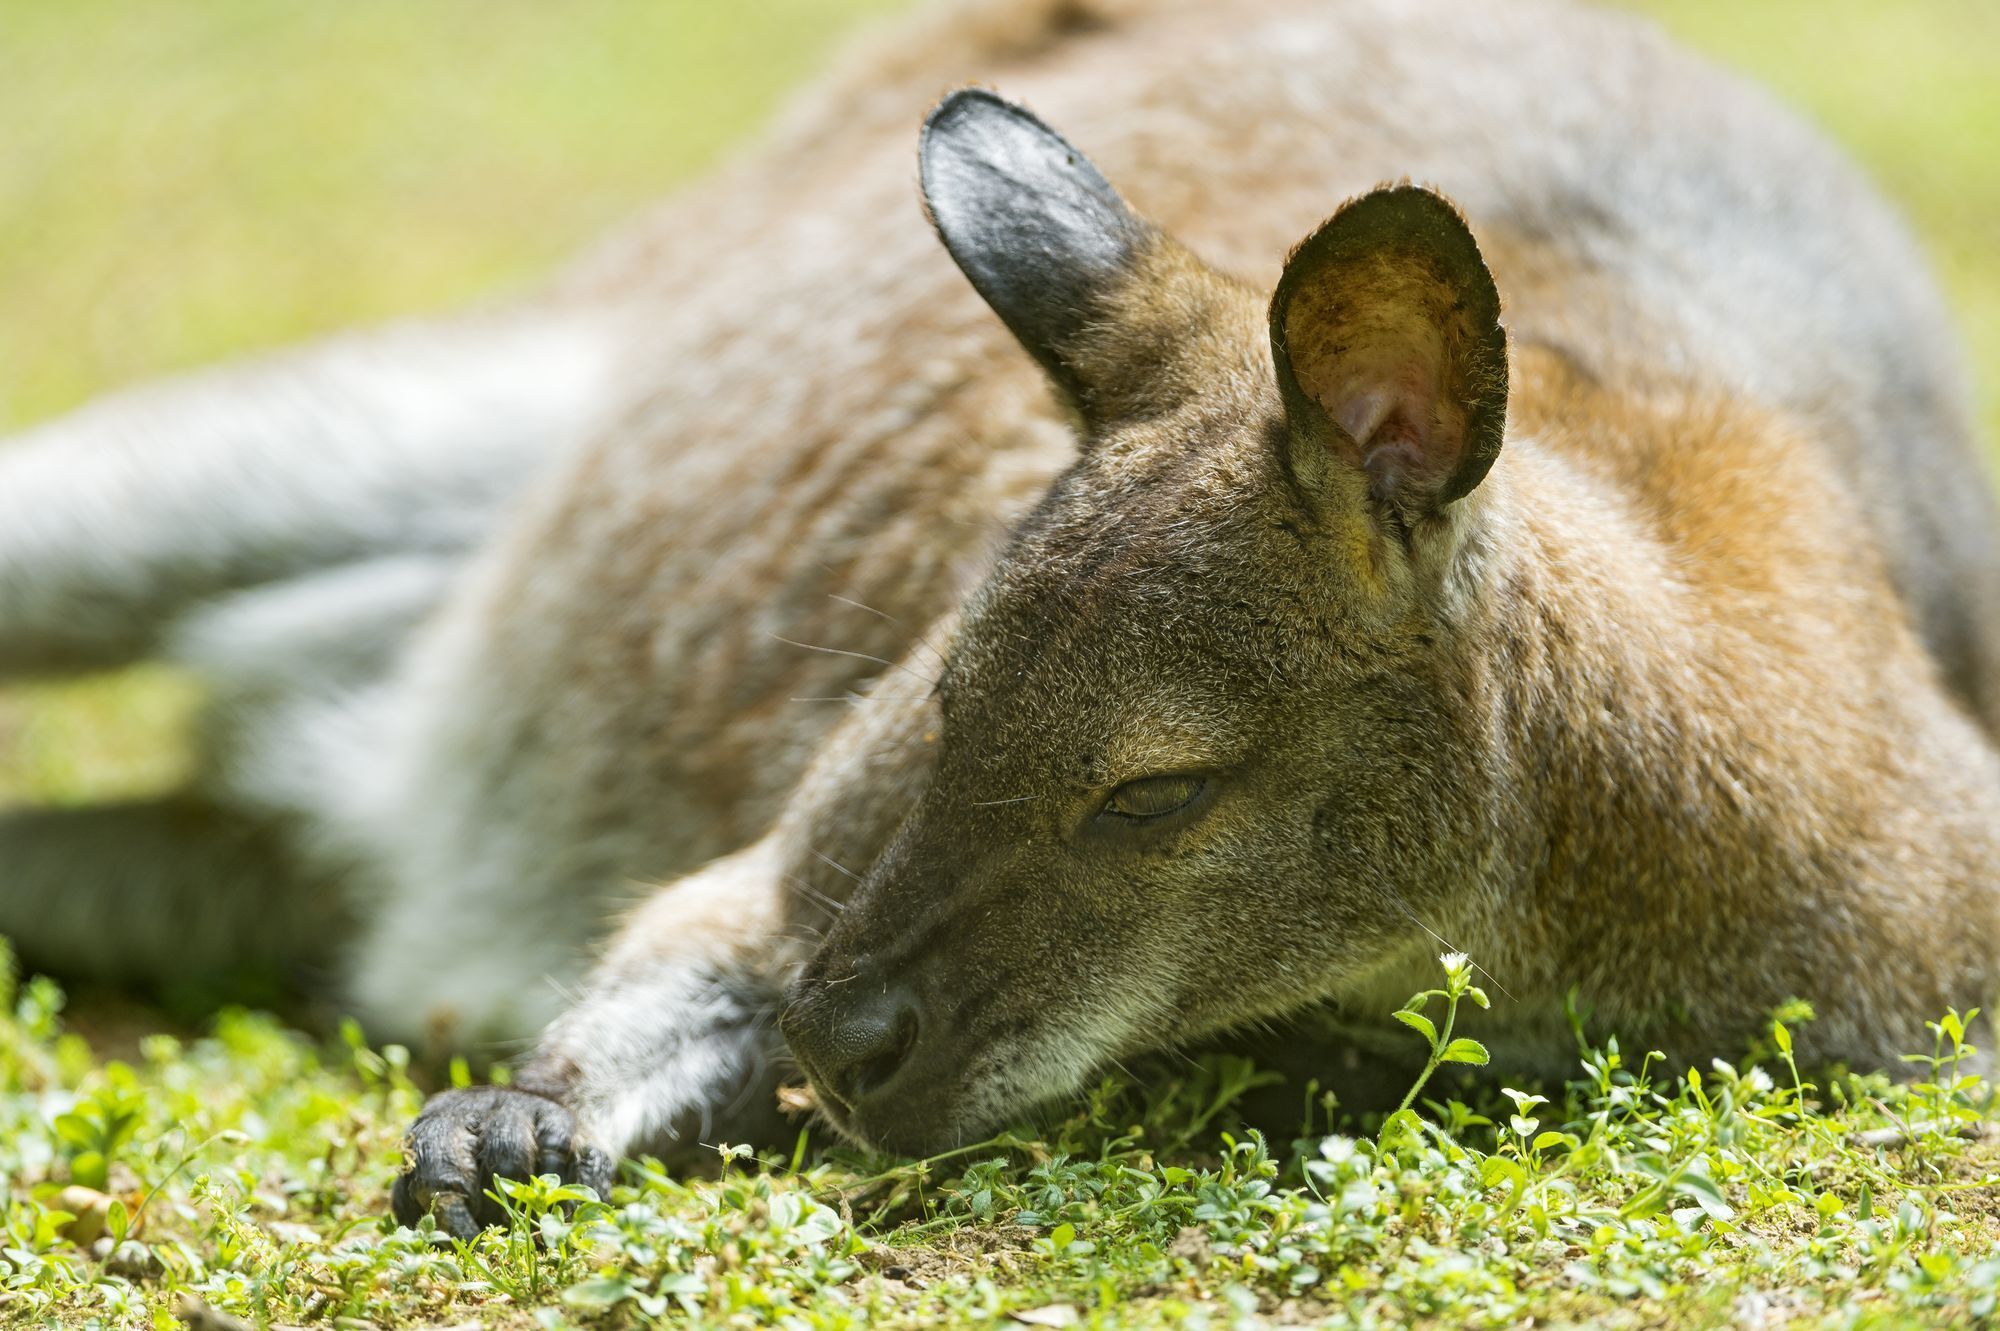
495 721
125 516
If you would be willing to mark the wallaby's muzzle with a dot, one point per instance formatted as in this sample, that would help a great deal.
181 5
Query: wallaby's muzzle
866 1043
855 1040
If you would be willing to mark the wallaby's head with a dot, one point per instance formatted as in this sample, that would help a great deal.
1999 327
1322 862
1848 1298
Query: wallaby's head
1203 732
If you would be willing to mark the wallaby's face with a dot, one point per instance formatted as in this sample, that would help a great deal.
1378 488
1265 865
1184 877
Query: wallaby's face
1195 756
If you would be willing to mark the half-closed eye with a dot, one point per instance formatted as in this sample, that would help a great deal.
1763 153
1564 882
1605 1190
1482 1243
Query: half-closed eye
1153 797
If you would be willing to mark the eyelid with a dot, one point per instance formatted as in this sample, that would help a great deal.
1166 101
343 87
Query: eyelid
1196 784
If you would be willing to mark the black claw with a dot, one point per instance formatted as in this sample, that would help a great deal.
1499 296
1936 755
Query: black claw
402 1205
594 1170
467 1140
454 1217
506 1145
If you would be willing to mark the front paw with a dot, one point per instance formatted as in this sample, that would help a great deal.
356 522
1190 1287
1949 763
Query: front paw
466 1139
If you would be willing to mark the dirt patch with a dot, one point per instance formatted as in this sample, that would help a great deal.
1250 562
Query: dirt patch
966 1252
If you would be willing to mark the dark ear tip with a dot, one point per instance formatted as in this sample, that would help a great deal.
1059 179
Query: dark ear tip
1398 214
970 100
1401 198
966 115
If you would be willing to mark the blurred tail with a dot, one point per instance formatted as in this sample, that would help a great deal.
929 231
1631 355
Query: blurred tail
118 518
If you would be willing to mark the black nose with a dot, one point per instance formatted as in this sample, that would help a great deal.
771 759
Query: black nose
853 1042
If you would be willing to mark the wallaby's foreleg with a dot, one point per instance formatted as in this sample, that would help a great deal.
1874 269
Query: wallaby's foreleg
117 518
672 1046
674 1042
163 892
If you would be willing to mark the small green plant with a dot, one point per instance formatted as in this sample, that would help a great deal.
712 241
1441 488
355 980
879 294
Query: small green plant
1445 1046
247 1169
102 1121
1948 1094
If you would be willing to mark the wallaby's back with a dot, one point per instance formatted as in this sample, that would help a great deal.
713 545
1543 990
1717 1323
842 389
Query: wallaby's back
833 432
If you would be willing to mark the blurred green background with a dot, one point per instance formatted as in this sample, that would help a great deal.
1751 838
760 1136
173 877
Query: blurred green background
184 181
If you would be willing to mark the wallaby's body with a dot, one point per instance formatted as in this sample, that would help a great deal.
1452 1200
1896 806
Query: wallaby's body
1688 702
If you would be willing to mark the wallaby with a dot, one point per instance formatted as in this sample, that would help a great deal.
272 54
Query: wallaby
1579 558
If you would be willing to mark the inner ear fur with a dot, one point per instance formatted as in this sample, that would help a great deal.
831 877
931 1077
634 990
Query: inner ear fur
1386 339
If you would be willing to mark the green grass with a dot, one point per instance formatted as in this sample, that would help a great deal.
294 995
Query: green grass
184 182
247 1170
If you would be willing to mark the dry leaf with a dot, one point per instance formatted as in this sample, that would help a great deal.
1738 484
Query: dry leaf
91 1209
200 1317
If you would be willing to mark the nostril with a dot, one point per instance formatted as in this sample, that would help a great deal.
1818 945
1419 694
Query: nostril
876 1070
865 1048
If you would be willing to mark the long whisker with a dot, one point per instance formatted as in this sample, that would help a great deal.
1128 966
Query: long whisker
922 639
858 656
1446 943
814 894
832 863
882 615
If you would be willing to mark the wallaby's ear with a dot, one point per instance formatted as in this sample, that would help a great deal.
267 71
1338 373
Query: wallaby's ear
1385 332
1038 230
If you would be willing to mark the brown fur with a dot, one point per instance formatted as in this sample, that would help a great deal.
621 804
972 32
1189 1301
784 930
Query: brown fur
1579 558
1687 702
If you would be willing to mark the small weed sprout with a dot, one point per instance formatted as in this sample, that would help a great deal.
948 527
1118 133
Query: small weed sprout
252 1165
1445 1046
1947 1094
